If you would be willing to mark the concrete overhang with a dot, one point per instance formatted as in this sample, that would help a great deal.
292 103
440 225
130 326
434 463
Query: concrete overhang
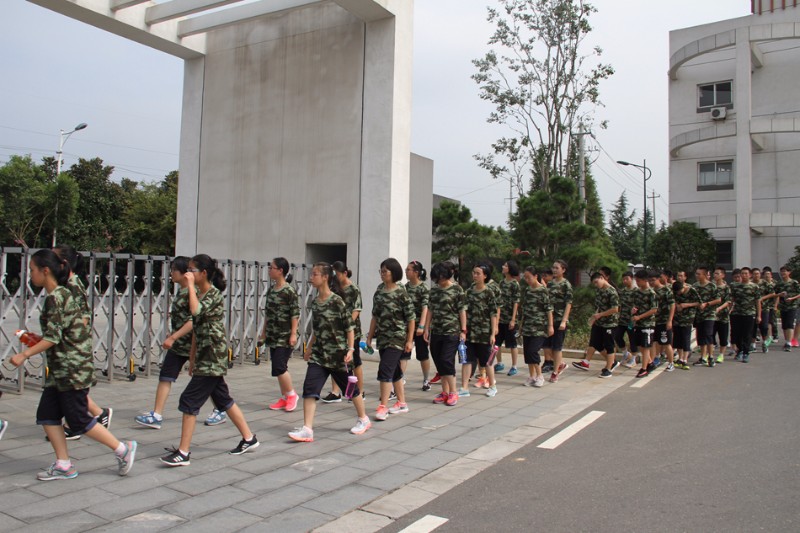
758 128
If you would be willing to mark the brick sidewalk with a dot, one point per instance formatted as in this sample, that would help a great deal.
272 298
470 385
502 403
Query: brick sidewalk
340 479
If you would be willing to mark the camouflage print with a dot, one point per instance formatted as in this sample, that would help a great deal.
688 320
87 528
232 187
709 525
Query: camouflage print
330 322
724 293
76 287
685 317
179 314
70 362
665 299
604 300
560 296
791 288
534 309
481 307
392 310
209 333
626 296
419 297
445 305
493 286
745 298
644 301
352 300
510 293
281 307
707 293
766 287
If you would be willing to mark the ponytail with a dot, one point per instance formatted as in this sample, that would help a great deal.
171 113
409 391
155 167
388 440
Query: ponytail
73 258
419 269
58 267
215 276
282 264
327 270
341 268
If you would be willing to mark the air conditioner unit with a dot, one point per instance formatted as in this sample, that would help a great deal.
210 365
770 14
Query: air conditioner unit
718 113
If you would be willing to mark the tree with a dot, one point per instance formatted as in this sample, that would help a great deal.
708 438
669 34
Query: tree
682 246
150 218
457 236
625 235
794 263
536 76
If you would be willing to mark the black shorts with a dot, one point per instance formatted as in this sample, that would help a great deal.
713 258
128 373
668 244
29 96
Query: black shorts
506 335
788 318
389 367
421 348
479 353
556 341
662 335
643 336
722 332
279 357
200 389
172 366
682 338
443 352
356 355
705 333
530 349
71 405
619 338
602 339
317 375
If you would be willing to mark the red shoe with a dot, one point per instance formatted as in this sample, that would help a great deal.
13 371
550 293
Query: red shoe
280 404
553 378
561 368
795 343
440 398
452 399
581 365
291 403
436 379
480 383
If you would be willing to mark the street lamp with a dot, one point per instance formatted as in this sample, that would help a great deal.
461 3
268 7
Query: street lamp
646 174
64 135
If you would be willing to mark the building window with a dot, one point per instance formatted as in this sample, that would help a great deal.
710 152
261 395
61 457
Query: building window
725 254
719 94
715 176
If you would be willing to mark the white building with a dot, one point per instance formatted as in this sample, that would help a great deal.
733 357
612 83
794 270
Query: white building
734 127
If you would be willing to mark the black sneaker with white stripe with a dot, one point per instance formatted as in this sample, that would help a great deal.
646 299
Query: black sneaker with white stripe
176 458
105 417
245 446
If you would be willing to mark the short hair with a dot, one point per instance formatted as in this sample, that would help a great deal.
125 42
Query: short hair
746 268
393 266
703 268
628 274
486 269
642 274
562 263
736 271
721 268
513 267
596 275
531 270
667 272
443 270
606 271
677 286
786 268
548 272
180 264
766 269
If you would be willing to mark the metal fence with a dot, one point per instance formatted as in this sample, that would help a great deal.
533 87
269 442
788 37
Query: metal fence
130 298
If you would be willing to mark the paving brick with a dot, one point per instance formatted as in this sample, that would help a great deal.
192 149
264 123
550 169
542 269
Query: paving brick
393 477
342 500
60 505
210 502
299 519
220 522
333 479
273 480
132 504
356 521
156 520
8 523
277 501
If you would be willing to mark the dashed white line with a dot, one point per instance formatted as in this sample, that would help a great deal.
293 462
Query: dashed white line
426 524
562 436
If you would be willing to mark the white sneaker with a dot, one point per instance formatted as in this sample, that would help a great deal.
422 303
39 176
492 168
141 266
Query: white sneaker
303 434
216 418
539 382
491 392
360 427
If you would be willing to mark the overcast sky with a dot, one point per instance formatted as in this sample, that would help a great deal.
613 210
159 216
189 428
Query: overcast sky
58 72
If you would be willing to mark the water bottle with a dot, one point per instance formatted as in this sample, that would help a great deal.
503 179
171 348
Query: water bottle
492 355
352 382
462 353
28 338
366 347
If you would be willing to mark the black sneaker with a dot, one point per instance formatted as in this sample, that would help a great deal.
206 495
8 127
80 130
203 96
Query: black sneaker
332 398
105 417
426 386
642 372
548 366
700 362
614 365
70 434
245 446
605 373
392 396
176 458
650 367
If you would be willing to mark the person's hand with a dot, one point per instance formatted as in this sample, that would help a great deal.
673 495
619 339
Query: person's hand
562 326
189 277
17 359
191 369
307 355
409 345
419 332
426 336
168 342
550 331
348 356
292 339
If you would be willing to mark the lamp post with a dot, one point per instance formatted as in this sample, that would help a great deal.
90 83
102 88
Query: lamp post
63 136
646 174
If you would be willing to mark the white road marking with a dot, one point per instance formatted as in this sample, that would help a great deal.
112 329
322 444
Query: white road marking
562 436
426 524
641 382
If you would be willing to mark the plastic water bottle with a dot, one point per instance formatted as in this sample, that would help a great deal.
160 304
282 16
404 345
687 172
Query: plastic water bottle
462 353
28 338
492 355
366 347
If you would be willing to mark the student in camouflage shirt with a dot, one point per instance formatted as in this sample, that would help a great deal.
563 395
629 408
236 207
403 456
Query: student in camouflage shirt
178 345
446 326
723 310
788 292
419 293
625 326
507 325
329 353
481 330
536 324
603 322
706 315
768 303
643 315
208 360
687 302
745 312
393 322
66 339
281 317
560 291
666 311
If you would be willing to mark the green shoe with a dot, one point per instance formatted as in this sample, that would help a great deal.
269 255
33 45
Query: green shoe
720 358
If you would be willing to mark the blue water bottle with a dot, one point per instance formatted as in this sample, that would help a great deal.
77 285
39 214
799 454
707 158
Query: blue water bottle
462 352
366 347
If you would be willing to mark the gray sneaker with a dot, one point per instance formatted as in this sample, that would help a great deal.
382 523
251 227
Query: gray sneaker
126 461
216 417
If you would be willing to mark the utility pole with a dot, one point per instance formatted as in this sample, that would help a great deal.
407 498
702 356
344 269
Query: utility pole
653 197
511 199
582 168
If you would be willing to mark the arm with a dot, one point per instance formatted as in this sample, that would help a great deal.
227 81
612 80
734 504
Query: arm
184 330
550 330
563 325
409 336
671 315
293 334
307 353
192 354
421 323
351 338
513 315
462 317
373 324
29 352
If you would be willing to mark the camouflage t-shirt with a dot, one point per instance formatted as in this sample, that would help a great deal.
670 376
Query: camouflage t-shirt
560 296
209 331
791 288
392 310
534 309
604 300
330 322
706 293
281 307
179 314
493 286
352 300
745 298
685 317
445 305
767 287
76 287
626 304
70 362
724 293
510 291
419 297
665 299
481 307
644 301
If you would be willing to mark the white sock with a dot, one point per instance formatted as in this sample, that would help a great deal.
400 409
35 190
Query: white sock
121 449
63 465
291 393
185 454
157 416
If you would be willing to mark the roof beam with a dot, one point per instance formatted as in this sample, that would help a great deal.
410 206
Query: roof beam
116 5
233 15
366 10
180 8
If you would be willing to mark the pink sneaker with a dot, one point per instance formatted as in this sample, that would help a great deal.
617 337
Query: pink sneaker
398 408
280 404
382 413
795 343
452 399
440 398
553 378
479 384
291 403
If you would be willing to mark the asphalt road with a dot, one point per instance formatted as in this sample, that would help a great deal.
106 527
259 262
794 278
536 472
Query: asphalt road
709 449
